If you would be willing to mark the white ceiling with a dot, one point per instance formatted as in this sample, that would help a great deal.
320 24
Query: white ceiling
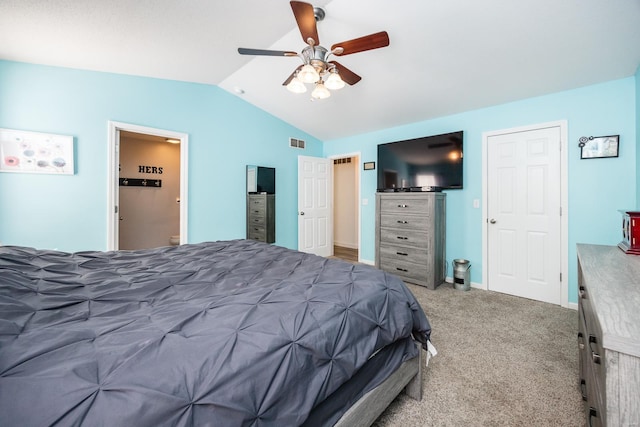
445 56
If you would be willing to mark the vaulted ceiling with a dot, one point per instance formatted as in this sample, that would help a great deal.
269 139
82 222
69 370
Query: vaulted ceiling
444 57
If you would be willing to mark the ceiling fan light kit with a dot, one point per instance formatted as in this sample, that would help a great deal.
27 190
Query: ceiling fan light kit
320 91
325 75
334 82
296 86
308 74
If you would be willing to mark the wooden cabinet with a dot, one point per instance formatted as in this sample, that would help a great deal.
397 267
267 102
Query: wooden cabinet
410 236
261 217
609 335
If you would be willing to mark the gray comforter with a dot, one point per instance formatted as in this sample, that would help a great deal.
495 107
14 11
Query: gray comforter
223 334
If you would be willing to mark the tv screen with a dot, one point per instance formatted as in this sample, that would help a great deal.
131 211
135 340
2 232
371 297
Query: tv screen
421 164
266 180
261 180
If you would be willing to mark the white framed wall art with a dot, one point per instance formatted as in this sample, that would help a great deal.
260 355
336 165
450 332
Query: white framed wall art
35 152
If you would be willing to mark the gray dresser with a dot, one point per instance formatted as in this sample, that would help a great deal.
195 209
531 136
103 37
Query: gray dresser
609 335
410 236
261 217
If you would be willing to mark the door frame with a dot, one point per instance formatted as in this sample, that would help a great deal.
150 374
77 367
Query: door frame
358 156
113 189
564 205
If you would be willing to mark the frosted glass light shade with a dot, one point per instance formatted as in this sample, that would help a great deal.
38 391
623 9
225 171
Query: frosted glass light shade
308 74
334 82
320 92
296 86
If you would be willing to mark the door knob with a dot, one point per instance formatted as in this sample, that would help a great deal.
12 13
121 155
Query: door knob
121 218
301 213
492 221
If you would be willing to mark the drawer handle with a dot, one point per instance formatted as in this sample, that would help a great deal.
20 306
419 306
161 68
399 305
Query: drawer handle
403 206
594 356
580 341
403 238
402 269
583 389
403 222
592 413
402 253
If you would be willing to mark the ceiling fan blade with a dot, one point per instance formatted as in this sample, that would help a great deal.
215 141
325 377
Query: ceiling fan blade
346 74
306 20
264 52
286 82
372 41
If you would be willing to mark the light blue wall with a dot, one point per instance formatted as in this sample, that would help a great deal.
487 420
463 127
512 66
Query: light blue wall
597 188
225 134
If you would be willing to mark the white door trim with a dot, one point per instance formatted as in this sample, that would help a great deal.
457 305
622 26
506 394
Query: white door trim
113 157
358 155
564 186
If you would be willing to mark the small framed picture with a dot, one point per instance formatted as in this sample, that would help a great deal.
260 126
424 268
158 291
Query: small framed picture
368 166
597 147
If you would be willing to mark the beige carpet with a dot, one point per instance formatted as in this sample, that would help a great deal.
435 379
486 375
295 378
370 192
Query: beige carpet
502 361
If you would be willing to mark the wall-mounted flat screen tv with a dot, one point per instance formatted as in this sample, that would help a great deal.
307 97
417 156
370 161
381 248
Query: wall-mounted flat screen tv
421 164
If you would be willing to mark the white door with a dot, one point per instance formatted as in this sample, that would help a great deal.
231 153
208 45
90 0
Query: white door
523 208
315 212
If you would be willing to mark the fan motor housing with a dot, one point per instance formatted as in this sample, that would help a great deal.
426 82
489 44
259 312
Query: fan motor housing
316 56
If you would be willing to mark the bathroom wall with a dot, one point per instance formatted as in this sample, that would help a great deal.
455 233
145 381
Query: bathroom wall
149 215
345 206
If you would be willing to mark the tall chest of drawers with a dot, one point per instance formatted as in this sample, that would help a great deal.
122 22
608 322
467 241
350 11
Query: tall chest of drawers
609 335
410 236
261 217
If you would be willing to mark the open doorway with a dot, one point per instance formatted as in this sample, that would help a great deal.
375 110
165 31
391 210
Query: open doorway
149 184
346 207
145 178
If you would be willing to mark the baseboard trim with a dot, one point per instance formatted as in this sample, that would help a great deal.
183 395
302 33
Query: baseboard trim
346 245
366 261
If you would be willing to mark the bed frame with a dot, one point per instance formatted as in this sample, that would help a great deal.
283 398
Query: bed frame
369 407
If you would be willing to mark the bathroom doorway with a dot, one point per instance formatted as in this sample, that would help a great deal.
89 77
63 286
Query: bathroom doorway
149 183
147 187
346 207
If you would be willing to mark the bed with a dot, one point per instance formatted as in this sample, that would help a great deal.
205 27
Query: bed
229 333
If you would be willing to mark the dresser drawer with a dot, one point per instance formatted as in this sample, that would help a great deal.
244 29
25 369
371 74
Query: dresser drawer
414 238
412 272
258 210
410 205
256 220
404 254
594 359
404 222
258 202
257 233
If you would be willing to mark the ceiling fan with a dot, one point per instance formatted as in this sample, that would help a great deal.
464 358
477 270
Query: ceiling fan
316 68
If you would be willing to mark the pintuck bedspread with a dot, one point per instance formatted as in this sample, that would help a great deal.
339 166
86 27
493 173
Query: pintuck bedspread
229 333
